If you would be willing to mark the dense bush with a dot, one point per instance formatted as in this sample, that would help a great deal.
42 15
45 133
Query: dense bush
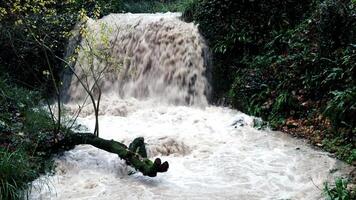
285 61
24 128
15 173
26 28
235 28
153 6
21 116
243 24
33 33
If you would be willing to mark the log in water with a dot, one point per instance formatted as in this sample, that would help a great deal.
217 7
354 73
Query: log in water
160 93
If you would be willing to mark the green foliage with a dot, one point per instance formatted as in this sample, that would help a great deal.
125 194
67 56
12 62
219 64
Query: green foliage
23 128
243 24
334 25
152 6
341 108
26 25
23 124
18 98
285 59
238 30
33 33
97 8
342 149
14 102
15 173
36 121
338 191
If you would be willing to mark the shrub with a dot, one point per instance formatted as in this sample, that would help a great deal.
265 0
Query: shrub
33 33
236 29
15 174
341 109
286 60
153 6
338 191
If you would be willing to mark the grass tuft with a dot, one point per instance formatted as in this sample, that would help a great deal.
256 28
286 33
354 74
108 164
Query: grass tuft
15 174
338 191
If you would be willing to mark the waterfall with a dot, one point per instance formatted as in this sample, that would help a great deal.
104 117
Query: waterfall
154 78
145 56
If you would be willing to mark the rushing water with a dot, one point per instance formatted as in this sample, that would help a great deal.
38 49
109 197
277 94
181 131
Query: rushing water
160 93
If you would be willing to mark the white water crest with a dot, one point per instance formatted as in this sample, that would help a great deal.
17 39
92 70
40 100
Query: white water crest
146 56
213 152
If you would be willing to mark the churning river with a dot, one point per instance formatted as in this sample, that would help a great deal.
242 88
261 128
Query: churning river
156 85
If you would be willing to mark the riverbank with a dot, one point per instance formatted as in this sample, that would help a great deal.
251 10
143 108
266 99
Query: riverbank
293 67
289 62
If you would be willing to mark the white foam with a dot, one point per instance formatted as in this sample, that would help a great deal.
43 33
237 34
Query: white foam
146 56
213 152
209 159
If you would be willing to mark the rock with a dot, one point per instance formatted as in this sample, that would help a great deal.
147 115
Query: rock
291 123
259 124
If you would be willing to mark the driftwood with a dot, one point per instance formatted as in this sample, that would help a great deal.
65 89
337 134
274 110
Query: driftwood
135 155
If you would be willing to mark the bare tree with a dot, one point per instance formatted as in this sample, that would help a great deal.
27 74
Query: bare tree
97 62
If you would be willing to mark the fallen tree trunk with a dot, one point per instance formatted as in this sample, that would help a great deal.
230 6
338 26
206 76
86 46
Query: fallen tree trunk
134 156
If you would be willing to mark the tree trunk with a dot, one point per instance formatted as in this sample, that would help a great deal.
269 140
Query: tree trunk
130 155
